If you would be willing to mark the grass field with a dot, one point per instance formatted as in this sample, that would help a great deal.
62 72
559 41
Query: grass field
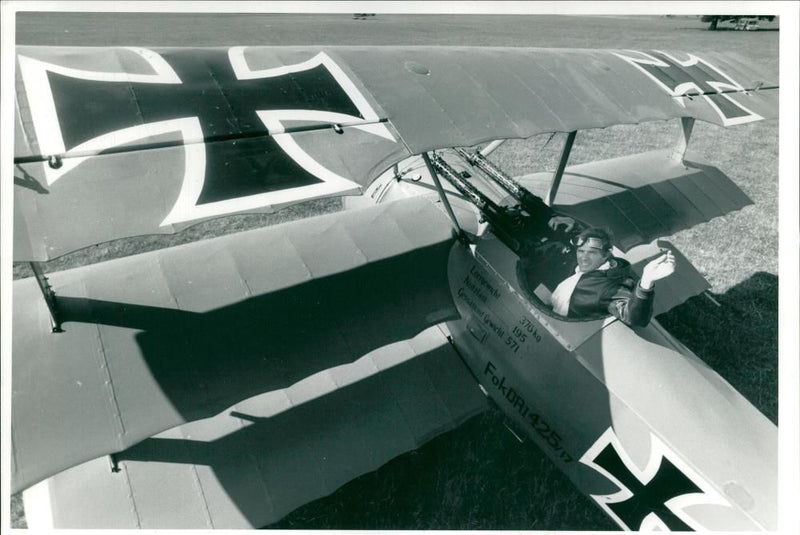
479 476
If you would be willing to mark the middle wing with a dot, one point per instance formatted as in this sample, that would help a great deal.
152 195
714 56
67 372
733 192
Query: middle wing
646 196
158 339
641 197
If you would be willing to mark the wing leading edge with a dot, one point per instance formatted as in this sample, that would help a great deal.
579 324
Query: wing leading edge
259 128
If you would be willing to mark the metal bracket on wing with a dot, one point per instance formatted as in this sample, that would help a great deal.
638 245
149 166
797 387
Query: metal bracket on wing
49 296
113 464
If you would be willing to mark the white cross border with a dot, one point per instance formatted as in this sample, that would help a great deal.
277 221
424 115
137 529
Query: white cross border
658 451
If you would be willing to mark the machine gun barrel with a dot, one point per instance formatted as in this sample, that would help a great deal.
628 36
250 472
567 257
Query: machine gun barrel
503 222
527 199
469 191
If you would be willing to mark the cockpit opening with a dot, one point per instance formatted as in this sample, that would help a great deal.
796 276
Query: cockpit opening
545 262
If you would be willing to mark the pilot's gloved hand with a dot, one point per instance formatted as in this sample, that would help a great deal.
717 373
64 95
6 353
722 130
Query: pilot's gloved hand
656 269
557 220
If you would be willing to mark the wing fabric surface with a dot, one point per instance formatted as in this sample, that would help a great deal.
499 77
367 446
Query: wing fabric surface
644 196
472 95
161 338
689 407
248 129
202 135
265 456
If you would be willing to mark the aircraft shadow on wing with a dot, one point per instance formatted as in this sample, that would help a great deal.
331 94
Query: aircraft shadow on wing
205 362
270 464
26 180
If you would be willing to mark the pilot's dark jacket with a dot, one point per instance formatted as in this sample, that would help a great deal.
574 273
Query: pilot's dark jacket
614 291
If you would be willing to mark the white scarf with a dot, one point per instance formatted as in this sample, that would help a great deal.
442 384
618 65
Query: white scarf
563 292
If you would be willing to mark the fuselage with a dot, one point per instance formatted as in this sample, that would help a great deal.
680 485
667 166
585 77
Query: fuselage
638 422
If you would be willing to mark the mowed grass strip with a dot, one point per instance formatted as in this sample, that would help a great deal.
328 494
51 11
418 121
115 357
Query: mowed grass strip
479 476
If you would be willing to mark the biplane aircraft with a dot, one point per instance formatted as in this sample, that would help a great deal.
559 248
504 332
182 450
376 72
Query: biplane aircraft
225 382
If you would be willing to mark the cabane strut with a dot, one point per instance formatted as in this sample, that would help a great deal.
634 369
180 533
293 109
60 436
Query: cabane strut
562 165
462 236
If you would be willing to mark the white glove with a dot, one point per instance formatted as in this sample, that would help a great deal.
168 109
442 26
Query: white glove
656 269
557 220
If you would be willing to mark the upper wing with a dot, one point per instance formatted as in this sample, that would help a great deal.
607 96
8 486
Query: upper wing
158 339
450 97
149 141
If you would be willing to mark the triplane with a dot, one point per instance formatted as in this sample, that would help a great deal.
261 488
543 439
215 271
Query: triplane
225 382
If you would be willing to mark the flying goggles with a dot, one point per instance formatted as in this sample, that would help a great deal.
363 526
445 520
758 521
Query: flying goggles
591 241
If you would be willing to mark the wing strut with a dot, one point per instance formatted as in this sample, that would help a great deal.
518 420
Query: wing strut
687 123
49 296
462 236
551 193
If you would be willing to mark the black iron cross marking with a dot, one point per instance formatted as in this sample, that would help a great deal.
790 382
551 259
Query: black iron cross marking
694 77
225 107
649 497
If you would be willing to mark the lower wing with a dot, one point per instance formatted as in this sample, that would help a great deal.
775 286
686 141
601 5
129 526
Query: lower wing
260 459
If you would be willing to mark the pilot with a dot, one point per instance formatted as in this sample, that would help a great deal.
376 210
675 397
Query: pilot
604 284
